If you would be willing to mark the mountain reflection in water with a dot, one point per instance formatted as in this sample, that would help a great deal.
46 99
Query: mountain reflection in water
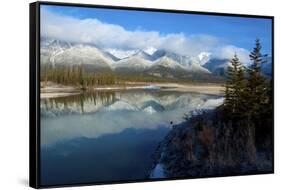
107 136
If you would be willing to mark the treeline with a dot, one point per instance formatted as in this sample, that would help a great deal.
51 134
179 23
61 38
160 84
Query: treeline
248 94
136 77
103 97
76 75
191 79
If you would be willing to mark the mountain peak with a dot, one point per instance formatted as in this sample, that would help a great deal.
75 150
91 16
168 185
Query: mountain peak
204 57
147 60
150 50
142 54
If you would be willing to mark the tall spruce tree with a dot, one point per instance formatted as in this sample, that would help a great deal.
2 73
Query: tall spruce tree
257 87
241 84
235 88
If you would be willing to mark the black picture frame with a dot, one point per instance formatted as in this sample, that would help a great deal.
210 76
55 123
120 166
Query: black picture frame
34 90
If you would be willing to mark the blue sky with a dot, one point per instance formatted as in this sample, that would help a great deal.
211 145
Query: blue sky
240 32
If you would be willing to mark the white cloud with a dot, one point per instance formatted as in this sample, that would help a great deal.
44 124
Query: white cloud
112 36
228 52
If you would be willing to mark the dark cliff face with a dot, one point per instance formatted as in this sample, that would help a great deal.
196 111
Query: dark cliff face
207 145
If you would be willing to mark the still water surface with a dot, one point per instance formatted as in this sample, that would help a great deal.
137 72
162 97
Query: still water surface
109 136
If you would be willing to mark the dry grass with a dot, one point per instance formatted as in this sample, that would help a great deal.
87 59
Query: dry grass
207 145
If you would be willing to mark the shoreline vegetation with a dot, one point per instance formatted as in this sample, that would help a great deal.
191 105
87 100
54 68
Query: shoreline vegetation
234 138
209 145
53 90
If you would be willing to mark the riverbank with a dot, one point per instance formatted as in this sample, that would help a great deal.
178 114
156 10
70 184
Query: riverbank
208 145
53 90
204 88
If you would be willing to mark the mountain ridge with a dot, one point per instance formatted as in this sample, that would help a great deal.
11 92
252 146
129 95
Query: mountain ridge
159 63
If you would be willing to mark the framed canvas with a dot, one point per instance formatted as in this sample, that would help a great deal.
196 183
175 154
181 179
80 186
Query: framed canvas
122 94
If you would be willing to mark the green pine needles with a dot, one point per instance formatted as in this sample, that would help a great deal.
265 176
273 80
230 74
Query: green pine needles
246 89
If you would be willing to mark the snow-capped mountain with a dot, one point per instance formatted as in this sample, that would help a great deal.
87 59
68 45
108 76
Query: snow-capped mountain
167 62
51 48
61 53
149 61
204 57
217 66
159 63
121 54
150 50
87 55
173 60
138 61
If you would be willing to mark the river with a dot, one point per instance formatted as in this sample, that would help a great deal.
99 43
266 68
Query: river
111 135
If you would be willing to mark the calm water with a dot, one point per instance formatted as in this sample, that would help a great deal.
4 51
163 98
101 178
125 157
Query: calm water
109 136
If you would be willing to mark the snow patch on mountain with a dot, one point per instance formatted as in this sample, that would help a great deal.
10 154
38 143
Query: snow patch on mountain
184 62
83 54
168 63
56 52
134 62
121 54
150 50
204 57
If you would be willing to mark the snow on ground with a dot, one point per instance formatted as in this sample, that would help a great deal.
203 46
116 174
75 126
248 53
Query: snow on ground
157 172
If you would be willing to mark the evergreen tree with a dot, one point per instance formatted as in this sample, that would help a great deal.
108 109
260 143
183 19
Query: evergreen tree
257 87
235 88
81 76
241 84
